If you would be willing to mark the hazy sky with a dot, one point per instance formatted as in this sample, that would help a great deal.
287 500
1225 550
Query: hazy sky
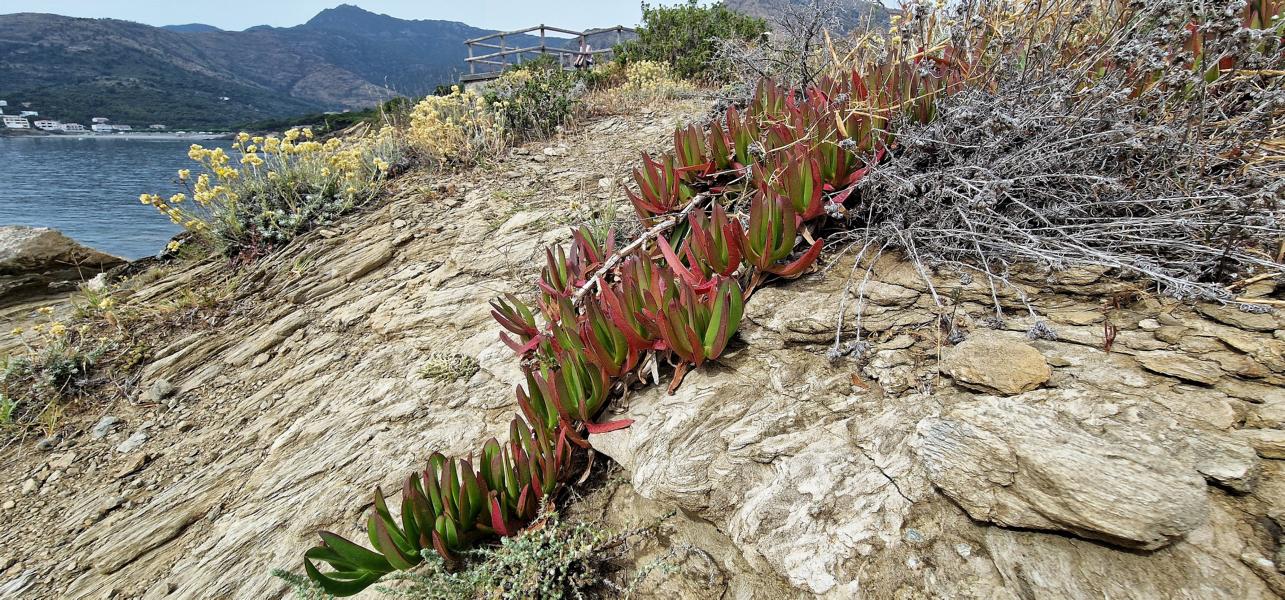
239 14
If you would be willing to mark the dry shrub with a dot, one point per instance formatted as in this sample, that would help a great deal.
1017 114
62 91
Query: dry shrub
1138 137
634 86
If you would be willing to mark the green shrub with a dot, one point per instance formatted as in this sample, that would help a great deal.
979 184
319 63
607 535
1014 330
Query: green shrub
54 364
533 100
686 36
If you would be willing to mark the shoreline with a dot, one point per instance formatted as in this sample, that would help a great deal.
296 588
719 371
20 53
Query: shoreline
122 136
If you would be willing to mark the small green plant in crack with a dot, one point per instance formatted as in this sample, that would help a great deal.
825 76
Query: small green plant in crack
446 367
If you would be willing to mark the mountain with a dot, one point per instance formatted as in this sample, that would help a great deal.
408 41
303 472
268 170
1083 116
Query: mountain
191 28
851 13
344 58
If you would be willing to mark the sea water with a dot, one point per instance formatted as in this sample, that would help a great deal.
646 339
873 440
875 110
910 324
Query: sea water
88 187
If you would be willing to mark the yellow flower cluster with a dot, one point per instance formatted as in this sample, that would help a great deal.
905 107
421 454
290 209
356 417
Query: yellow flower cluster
457 127
277 175
654 79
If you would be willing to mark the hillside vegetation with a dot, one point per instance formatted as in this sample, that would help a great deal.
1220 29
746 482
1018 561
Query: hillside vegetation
984 302
344 58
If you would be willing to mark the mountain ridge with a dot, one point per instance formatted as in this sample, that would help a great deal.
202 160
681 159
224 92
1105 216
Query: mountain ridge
199 76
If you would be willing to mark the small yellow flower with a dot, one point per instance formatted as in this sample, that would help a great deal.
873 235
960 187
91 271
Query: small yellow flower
173 246
184 174
16 331
45 310
243 137
144 198
57 329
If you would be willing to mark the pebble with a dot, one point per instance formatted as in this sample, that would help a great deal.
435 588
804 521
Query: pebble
964 550
49 443
8 505
914 536
29 487
399 223
132 463
160 590
184 426
62 461
133 443
104 427
160 390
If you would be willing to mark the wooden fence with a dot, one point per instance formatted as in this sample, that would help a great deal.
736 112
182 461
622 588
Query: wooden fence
497 53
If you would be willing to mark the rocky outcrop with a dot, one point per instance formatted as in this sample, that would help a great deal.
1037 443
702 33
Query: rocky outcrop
1096 474
39 261
909 467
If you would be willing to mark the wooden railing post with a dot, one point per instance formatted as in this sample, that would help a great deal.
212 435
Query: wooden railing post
472 66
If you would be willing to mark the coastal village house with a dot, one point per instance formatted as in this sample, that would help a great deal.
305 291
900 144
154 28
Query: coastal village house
48 125
101 127
157 127
73 127
13 122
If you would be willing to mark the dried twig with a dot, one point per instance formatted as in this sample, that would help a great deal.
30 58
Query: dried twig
664 225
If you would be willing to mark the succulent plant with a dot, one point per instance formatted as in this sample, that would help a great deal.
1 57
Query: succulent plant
771 237
660 188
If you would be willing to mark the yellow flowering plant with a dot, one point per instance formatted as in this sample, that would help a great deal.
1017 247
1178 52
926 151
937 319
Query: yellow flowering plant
54 360
266 190
459 127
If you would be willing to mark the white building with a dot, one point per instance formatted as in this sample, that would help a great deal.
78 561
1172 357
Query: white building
48 125
28 113
73 127
157 127
13 122
100 119
121 127
101 128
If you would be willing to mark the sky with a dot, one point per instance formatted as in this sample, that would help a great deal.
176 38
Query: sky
240 14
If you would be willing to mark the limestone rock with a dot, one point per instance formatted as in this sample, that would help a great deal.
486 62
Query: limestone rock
134 442
1250 321
40 249
1269 415
996 363
1181 366
1017 465
158 391
104 427
1269 443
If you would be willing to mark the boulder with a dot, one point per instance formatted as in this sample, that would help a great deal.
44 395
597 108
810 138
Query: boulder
1013 464
35 260
992 362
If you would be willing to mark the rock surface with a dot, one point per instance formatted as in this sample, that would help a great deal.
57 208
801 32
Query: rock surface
997 364
37 260
790 476
1013 464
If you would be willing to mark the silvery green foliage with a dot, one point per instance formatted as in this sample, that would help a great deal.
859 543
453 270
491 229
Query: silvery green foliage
553 561
1056 165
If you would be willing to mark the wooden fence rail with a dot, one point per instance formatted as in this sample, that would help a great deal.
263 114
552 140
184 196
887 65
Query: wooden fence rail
491 64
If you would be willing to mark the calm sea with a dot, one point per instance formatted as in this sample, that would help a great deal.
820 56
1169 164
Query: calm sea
88 188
